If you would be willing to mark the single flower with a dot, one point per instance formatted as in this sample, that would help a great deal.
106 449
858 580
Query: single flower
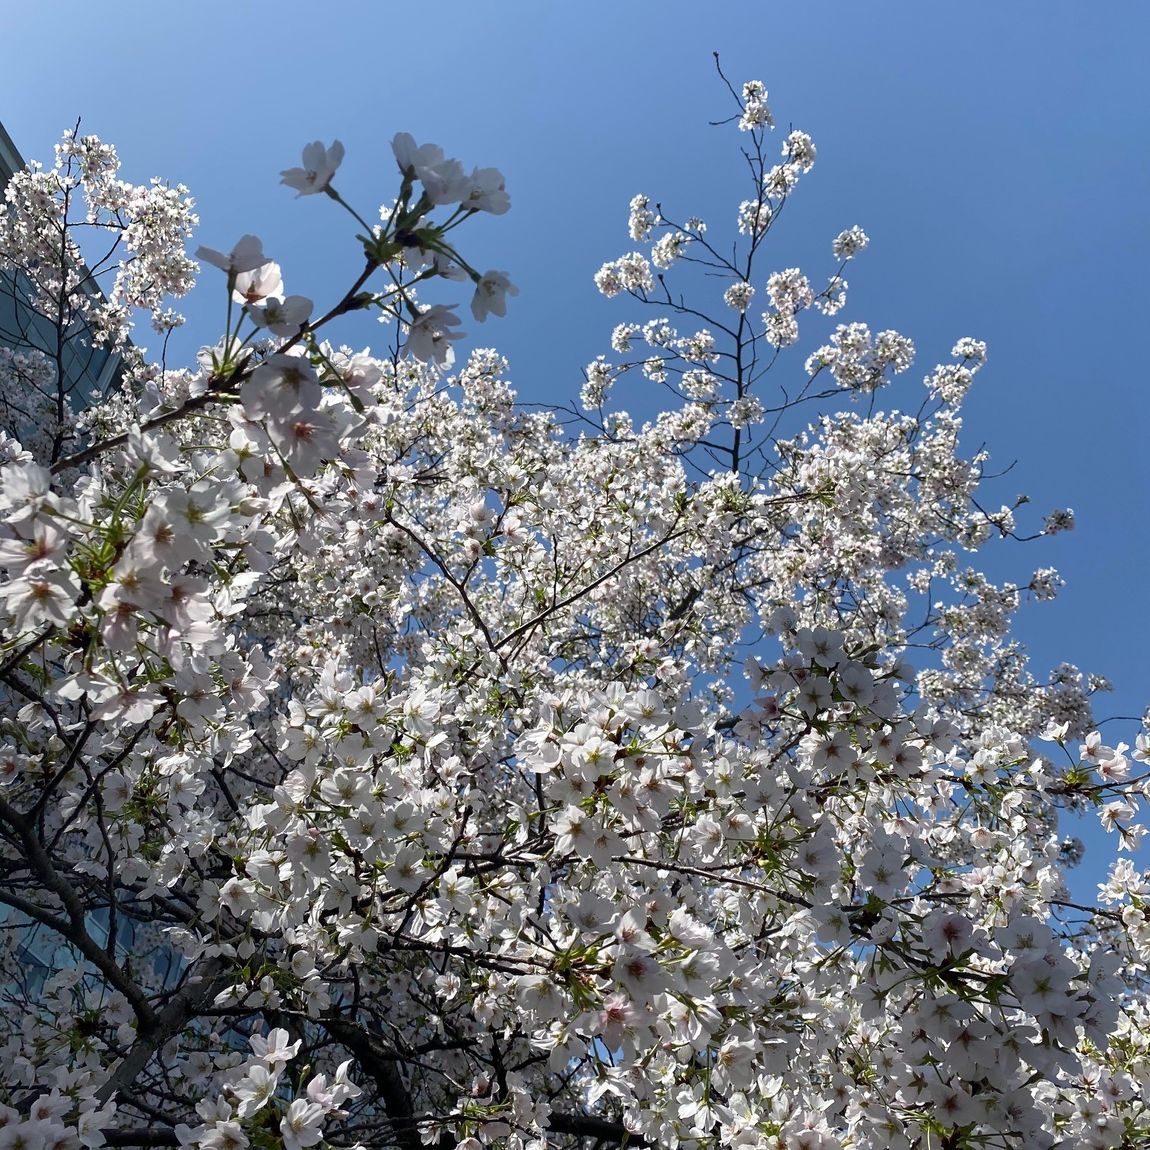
319 166
444 180
491 294
486 192
282 385
415 159
302 1125
259 283
246 256
274 1050
428 337
283 317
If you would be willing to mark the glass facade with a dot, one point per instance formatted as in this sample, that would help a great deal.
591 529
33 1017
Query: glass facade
35 952
86 369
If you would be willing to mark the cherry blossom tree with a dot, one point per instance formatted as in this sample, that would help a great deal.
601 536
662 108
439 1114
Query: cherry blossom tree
387 763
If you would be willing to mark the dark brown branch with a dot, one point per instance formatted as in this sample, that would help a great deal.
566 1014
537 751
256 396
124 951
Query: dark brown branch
74 929
143 1137
388 1080
584 1126
201 983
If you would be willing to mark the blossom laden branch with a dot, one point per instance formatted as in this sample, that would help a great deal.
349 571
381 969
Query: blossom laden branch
378 747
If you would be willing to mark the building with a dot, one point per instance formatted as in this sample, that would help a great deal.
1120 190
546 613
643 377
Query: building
84 368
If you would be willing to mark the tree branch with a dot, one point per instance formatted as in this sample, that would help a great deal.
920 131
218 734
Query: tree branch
74 930
201 983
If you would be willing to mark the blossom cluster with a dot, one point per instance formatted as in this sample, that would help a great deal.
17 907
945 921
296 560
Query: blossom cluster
385 763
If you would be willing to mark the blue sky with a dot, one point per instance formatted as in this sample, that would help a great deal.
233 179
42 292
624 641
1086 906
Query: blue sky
996 154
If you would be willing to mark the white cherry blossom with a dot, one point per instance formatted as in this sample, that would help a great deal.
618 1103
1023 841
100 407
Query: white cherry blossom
382 761
320 164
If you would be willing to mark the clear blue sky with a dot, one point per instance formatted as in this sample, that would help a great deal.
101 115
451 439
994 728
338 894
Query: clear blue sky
996 153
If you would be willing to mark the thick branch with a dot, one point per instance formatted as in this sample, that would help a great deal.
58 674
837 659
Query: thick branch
74 930
385 1071
89 453
584 1126
201 983
142 1137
